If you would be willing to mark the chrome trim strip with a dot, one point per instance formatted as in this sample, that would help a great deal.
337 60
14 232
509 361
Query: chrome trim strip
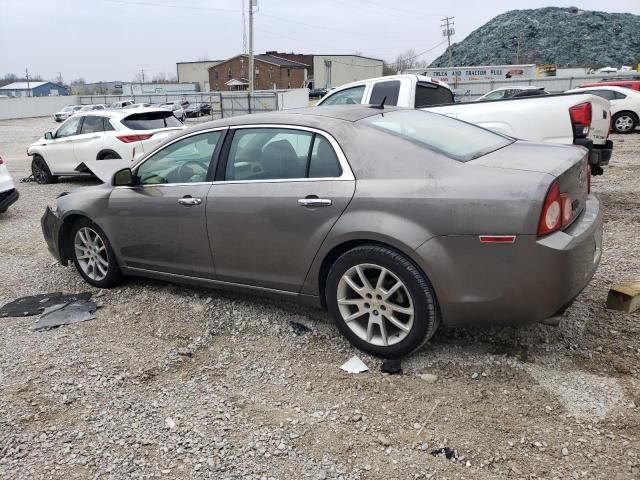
210 281
347 173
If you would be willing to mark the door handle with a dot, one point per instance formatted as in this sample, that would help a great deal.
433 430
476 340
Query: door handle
314 202
189 201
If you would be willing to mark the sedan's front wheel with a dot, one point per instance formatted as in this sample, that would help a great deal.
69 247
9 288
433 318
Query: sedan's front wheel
381 301
93 256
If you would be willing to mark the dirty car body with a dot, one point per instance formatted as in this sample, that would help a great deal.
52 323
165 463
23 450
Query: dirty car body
406 219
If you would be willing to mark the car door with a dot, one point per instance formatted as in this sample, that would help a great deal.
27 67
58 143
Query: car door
278 192
89 140
58 152
158 224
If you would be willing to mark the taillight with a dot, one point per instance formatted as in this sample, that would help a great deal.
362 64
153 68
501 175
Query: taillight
551 217
134 138
580 119
1 160
567 208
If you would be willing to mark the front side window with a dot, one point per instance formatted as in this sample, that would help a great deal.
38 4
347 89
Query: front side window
278 153
385 90
457 140
495 95
92 124
346 97
184 161
69 128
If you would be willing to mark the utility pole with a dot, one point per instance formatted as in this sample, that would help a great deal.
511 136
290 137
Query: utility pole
517 39
26 71
244 28
448 31
59 78
252 3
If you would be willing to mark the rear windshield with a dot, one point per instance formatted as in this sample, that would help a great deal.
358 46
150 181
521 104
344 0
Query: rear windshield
429 94
151 121
458 140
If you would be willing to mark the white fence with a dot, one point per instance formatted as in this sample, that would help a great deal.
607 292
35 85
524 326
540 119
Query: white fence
25 107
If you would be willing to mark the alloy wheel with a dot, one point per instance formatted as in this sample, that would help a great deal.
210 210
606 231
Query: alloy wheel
624 123
91 253
375 304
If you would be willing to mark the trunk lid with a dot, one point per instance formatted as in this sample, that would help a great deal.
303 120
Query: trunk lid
567 164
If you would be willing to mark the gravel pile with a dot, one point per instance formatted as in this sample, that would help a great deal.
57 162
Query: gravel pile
178 382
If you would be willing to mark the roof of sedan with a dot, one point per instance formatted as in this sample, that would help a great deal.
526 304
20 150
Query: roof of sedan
301 116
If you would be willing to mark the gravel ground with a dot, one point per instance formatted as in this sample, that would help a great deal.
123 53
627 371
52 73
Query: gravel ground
178 382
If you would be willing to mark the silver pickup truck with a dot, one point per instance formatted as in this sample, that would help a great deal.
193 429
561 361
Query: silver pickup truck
566 118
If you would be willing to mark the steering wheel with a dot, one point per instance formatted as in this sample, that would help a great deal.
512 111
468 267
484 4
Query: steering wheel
186 172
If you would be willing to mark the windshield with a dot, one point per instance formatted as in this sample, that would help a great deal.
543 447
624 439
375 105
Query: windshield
456 139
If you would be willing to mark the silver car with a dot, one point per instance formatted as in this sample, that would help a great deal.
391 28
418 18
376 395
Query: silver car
394 220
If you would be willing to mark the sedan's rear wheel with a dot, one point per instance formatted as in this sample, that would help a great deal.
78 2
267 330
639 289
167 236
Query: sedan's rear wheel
624 122
41 172
381 302
93 256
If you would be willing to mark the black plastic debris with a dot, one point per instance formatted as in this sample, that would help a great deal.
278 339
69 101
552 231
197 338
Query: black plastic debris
392 366
35 304
447 452
298 328
66 314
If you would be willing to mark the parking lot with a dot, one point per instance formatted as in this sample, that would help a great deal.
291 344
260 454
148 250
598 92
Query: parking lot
179 382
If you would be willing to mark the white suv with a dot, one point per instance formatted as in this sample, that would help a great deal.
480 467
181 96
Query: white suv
99 135
8 192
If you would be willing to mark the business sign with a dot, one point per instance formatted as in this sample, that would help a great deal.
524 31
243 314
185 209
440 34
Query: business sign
548 70
481 73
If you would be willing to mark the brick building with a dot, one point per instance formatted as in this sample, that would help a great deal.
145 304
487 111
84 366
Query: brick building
270 71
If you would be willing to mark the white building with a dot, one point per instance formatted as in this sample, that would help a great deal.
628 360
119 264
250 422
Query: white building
198 72
335 70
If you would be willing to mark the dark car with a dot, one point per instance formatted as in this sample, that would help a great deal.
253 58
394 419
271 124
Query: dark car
197 110
318 92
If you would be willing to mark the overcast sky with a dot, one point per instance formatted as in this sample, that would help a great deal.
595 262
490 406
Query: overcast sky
115 39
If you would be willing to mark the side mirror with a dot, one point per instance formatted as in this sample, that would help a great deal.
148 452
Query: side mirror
123 177
48 136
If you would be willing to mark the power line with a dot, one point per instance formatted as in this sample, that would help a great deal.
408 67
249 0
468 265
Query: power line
168 5
412 12
386 14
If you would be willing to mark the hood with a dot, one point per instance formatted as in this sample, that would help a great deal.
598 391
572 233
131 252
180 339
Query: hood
103 169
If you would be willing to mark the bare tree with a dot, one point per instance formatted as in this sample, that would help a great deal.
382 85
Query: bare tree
408 59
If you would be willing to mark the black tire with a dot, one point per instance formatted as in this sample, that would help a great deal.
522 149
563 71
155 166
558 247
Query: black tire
425 318
110 156
113 275
628 122
40 171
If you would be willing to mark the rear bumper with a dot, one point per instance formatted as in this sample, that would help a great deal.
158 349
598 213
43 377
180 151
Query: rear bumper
51 227
599 155
8 198
525 282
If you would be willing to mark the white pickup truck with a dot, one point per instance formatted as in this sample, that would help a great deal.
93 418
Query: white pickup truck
571 118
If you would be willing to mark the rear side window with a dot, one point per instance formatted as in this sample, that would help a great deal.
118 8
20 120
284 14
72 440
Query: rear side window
106 125
428 94
389 90
278 153
151 120
346 97
457 140
607 94
324 162
92 124
619 96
